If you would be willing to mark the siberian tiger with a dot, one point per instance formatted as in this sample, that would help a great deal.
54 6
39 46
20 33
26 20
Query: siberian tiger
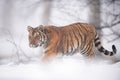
67 40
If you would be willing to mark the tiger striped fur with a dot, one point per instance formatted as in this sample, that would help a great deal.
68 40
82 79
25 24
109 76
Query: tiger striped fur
77 37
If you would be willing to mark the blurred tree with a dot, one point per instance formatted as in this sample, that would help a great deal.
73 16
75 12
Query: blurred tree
94 13
7 14
46 12
111 17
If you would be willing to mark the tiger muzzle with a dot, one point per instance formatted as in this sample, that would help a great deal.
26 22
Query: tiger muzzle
41 43
33 46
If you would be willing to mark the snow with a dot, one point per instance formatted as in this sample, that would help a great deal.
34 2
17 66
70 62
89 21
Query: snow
66 68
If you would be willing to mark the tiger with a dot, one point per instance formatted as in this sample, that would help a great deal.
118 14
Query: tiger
67 40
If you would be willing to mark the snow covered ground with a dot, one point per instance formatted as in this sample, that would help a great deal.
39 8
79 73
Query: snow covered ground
66 68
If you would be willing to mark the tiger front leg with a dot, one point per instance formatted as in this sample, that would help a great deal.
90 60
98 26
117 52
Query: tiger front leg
49 55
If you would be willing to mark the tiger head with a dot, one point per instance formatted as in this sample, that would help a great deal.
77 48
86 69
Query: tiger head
36 36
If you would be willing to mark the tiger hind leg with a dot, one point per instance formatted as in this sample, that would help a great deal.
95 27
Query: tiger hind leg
88 50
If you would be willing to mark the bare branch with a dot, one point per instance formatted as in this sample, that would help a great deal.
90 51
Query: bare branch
18 49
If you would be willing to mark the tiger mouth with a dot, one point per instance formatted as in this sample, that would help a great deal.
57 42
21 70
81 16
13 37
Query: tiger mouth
41 43
33 46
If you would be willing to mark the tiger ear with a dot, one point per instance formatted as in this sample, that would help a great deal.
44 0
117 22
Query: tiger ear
41 28
29 28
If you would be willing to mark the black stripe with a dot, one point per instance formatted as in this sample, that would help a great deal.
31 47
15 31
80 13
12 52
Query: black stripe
87 49
67 42
111 53
74 34
96 33
101 49
79 34
106 52
114 48
98 43
83 31
64 43
71 41
96 39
